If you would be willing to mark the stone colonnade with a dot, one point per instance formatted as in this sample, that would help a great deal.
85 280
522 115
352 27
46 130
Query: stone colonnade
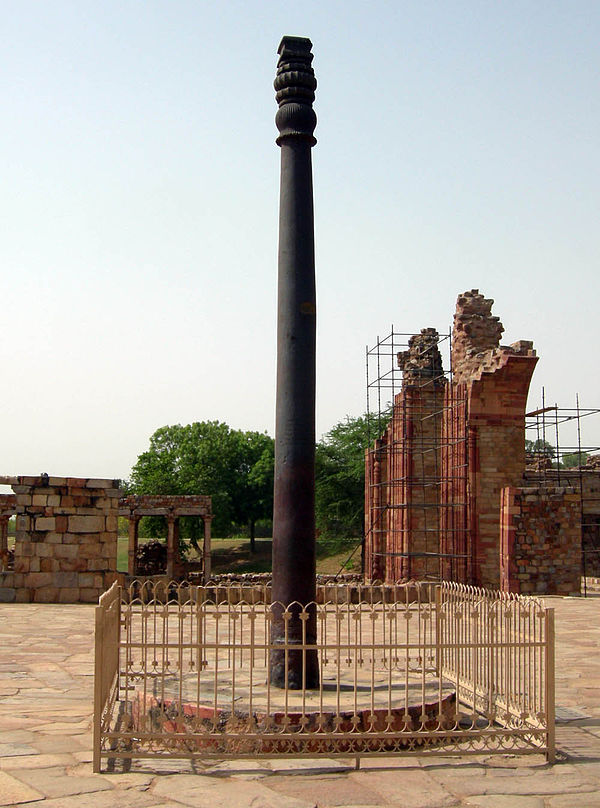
172 508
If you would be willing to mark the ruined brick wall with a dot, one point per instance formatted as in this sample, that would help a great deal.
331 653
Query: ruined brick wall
540 540
496 380
66 540
586 482
402 472
456 471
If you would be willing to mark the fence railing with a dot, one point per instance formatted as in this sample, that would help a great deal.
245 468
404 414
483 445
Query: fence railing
183 671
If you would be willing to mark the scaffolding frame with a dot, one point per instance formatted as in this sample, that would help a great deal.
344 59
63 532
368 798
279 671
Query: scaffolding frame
416 512
554 462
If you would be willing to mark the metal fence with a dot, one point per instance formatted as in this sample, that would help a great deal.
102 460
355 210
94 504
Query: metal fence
182 671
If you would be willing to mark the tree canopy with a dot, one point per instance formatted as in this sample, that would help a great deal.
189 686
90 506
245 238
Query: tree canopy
340 475
234 467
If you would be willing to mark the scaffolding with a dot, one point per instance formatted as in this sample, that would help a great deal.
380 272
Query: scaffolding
416 466
557 455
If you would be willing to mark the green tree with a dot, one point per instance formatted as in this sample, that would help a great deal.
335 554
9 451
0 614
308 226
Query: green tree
340 475
540 447
209 457
573 460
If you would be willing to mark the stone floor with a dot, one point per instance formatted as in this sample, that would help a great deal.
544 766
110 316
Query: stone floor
46 679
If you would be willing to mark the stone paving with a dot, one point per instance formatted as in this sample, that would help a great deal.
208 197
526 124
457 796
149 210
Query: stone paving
46 682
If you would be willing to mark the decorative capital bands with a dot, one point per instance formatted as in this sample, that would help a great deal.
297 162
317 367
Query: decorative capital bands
295 85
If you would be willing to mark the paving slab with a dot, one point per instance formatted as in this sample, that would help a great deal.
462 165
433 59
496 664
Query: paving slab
411 788
326 790
502 801
14 792
198 791
46 651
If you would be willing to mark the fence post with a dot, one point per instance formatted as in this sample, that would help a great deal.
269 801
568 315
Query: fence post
438 629
98 689
549 678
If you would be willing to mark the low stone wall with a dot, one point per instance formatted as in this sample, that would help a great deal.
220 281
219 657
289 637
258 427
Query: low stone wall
66 539
540 540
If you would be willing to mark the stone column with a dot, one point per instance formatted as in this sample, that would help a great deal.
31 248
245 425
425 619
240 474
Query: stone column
134 522
294 559
171 548
206 550
4 532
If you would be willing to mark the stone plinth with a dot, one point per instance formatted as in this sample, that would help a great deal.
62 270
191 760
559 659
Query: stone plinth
66 539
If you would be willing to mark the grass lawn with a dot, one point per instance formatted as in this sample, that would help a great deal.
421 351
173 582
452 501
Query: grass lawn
233 555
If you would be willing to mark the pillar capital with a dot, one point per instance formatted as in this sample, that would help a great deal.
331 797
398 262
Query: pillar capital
295 85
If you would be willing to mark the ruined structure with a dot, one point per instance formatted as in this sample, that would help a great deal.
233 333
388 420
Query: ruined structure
172 508
66 536
447 492
66 547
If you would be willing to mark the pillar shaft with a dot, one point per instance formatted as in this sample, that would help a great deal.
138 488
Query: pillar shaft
132 545
4 533
171 547
206 550
294 565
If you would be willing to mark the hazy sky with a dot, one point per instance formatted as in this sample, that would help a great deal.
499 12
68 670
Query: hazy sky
457 148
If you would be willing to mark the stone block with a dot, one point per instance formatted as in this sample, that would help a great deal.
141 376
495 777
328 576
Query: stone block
61 523
43 550
35 580
22 565
91 550
7 594
23 596
54 500
49 565
73 565
39 499
66 579
21 489
86 524
34 564
53 538
100 483
46 594
89 595
68 595
86 579
111 525
66 551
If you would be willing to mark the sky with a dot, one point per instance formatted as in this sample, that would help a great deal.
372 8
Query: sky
457 149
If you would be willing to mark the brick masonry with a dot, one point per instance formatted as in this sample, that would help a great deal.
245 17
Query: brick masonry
540 540
474 430
66 539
